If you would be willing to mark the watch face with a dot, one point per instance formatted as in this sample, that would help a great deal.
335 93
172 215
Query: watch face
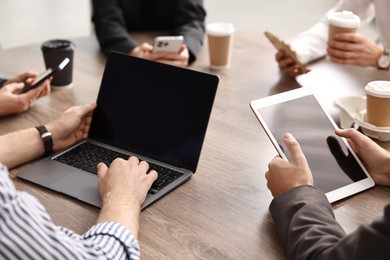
384 61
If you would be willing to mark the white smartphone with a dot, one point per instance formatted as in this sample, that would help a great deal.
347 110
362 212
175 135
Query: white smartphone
168 43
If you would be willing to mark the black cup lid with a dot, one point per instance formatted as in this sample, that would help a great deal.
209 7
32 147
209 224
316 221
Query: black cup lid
57 45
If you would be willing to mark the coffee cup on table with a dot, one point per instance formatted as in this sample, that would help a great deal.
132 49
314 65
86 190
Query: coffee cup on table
220 40
378 103
54 52
344 22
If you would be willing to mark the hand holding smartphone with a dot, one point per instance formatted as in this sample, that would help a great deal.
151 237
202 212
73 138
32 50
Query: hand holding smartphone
169 44
45 75
281 45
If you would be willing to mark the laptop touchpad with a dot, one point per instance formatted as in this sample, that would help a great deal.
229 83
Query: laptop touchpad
81 185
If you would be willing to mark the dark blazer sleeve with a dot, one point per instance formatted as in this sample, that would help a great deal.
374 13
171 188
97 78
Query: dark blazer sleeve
2 81
307 229
110 26
189 22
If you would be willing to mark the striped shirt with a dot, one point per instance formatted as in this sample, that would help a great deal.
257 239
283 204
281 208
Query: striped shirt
27 232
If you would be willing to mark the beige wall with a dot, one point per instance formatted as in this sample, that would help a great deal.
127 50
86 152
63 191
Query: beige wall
31 21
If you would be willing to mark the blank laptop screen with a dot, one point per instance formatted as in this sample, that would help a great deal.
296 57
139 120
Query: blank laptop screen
154 110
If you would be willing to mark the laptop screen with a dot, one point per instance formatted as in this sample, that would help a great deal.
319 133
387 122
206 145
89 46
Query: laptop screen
154 110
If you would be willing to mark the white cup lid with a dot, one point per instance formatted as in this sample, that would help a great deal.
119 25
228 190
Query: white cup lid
345 19
379 88
220 29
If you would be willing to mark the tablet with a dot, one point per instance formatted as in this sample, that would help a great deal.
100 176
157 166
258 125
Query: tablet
336 169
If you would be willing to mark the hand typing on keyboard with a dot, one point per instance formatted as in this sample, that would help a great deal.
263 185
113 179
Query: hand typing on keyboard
123 188
87 155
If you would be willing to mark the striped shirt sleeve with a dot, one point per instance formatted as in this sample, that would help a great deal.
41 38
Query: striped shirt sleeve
27 232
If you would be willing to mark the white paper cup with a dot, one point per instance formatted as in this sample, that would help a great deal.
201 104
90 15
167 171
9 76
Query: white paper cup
220 40
344 21
378 103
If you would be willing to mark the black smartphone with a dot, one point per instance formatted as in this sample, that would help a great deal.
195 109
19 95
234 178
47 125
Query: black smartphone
45 75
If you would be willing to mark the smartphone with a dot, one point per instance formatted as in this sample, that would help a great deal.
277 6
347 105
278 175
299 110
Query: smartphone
45 75
281 45
168 43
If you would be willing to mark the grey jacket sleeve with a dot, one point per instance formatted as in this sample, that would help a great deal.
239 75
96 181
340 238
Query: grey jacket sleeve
307 229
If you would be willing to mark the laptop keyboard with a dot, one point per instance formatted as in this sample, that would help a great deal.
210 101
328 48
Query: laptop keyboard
86 156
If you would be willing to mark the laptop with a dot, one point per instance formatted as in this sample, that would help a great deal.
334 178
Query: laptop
151 110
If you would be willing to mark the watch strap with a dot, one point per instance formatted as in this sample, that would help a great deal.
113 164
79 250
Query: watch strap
386 53
47 139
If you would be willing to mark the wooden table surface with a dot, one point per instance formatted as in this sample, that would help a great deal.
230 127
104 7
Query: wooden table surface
222 212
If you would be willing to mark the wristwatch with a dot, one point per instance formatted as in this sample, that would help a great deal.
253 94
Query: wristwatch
47 139
384 60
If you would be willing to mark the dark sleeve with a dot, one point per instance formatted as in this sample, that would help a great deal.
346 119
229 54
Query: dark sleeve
110 26
2 81
307 229
189 22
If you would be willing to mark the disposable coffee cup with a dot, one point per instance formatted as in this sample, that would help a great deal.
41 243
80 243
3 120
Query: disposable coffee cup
220 41
344 22
378 103
54 52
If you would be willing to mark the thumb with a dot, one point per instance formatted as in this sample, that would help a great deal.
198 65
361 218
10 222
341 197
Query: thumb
183 47
15 87
146 47
102 170
294 148
34 93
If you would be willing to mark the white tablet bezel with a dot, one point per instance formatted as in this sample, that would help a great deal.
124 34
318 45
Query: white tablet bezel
336 194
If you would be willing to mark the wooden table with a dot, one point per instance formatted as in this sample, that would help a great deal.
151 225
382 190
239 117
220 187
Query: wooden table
222 212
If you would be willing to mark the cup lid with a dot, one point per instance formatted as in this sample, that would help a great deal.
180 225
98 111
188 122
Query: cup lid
345 19
57 45
220 29
379 88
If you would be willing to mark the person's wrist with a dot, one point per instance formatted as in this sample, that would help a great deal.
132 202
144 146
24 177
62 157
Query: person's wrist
121 209
383 60
55 133
47 139
121 199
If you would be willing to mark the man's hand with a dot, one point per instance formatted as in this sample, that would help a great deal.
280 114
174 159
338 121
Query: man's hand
11 102
145 51
71 126
353 49
375 158
283 175
123 188
177 59
287 65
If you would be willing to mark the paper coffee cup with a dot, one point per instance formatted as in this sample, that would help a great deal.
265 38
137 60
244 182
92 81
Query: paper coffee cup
378 103
344 21
55 51
220 40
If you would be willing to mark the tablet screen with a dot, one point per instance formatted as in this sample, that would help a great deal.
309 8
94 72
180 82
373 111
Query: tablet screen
332 164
